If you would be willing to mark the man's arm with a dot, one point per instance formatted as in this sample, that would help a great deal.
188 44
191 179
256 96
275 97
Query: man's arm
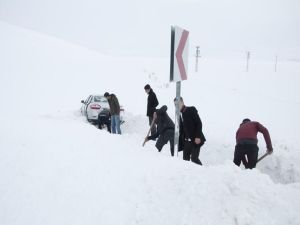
197 121
267 138
153 137
155 100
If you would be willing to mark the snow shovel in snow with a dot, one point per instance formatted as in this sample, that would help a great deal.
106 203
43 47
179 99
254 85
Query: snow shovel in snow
262 157
152 124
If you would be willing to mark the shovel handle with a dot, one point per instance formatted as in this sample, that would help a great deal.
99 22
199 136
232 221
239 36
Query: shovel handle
152 123
262 157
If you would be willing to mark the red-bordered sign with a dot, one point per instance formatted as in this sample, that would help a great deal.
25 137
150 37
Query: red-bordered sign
179 54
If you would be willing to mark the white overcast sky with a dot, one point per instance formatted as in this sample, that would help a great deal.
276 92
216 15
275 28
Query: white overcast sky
142 27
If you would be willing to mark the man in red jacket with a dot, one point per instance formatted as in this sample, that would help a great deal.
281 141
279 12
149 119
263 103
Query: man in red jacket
246 143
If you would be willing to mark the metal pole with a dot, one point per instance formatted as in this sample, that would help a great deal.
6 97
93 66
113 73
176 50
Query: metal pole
177 116
248 57
197 56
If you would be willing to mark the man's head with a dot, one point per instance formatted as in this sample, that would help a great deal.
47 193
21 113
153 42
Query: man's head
246 120
180 102
147 88
107 95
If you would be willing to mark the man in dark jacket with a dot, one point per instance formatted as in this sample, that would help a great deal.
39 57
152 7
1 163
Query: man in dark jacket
152 103
246 143
114 112
190 133
165 129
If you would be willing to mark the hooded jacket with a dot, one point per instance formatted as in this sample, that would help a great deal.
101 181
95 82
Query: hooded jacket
163 121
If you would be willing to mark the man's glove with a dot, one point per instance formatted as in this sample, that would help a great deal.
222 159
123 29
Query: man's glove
269 150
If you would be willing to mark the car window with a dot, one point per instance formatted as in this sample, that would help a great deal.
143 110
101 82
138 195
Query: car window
98 98
88 99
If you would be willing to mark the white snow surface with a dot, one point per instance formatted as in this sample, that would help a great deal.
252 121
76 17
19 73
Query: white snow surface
55 168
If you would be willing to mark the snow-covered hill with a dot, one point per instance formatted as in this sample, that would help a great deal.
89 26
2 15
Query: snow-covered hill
55 168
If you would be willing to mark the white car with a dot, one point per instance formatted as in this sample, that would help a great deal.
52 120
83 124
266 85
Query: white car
93 106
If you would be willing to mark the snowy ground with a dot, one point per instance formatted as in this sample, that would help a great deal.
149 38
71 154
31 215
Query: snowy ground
55 168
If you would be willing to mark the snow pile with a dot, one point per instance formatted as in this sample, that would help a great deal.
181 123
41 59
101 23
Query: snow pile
55 168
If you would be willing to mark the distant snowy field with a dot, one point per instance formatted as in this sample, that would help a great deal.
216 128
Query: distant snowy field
55 168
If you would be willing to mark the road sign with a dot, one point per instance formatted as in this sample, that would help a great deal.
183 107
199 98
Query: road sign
179 54
178 68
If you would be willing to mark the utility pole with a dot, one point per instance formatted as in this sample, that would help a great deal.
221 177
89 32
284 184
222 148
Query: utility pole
197 56
248 58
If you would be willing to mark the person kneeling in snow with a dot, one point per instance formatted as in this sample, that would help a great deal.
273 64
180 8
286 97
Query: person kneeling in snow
104 120
246 143
165 129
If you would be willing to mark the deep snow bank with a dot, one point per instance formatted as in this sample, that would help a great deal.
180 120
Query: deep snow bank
65 171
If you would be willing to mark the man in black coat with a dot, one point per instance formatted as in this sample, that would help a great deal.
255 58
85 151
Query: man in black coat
152 103
165 129
190 133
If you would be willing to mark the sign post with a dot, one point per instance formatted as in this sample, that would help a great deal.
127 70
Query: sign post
178 68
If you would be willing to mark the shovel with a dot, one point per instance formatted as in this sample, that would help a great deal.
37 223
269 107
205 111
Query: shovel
152 124
262 157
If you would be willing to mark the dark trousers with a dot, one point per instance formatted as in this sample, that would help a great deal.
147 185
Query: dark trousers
164 138
243 150
191 151
153 129
104 120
